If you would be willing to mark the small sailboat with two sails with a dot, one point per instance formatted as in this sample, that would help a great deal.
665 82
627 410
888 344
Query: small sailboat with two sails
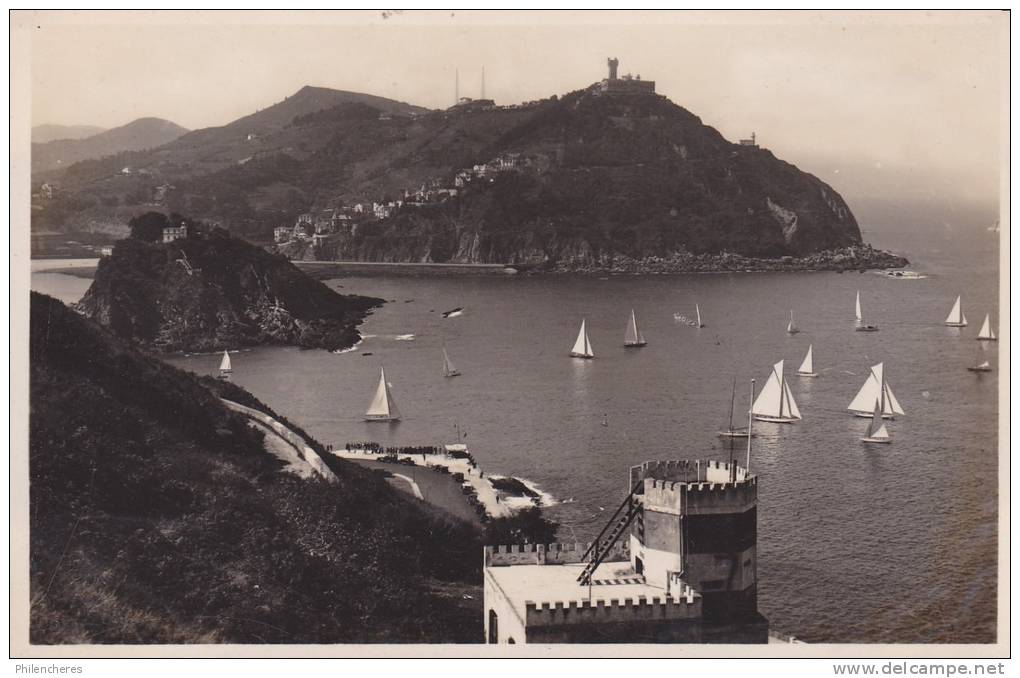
859 313
986 333
775 402
877 433
875 390
956 318
383 407
792 328
633 338
448 369
582 346
226 369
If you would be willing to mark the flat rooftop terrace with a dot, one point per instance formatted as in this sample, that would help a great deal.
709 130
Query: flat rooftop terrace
552 584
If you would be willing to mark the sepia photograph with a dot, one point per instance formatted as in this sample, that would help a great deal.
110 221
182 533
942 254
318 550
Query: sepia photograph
438 332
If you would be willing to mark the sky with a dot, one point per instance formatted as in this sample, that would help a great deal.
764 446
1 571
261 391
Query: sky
871 103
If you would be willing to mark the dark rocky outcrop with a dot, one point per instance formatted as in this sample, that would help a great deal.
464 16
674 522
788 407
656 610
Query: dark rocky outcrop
217 292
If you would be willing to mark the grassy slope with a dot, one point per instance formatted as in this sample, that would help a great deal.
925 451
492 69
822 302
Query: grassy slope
157 517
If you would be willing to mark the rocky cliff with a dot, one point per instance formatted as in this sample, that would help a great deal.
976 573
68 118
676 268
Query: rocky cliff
217 292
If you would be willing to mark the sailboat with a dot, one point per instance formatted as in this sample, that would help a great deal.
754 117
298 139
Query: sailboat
775 402
225 367
448 369
383 407
807 368
791 328
582 347
983 366
697 312
875 390
956 318
632 338
877 432
861 325
986 333
730 431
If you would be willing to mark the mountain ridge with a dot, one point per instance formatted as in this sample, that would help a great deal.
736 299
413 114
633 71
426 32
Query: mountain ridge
136 135
591 176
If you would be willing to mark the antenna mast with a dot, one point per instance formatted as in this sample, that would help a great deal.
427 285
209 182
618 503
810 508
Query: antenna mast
750 433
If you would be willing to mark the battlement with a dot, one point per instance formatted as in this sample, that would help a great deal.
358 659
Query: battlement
548 554
689 471
642 608
692 487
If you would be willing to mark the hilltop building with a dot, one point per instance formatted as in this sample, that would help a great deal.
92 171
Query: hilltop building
685 572
627 84
171 233
752 142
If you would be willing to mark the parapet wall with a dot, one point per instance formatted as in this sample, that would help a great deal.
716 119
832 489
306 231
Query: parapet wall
687 471
699 497
549 554
665 608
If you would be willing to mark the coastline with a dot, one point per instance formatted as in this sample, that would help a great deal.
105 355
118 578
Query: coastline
853 258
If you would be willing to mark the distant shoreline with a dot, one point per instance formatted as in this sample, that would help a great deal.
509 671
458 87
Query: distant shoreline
847 259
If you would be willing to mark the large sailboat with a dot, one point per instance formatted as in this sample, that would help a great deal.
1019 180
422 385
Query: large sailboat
582 347
448 369
986 333
225 367
633 338
956 318
807 368
861 325
775 403
875 390
383 407
877 432
791 328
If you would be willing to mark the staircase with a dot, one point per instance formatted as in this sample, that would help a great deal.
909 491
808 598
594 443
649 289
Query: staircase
603 544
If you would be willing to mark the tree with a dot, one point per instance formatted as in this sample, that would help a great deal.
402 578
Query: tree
149 226
527 526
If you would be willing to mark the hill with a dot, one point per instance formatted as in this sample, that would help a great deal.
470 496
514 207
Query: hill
156 516
134 136
580 179
44 133
212 292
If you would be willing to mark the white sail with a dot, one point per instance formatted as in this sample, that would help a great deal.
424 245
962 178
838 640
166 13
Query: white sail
697 311
582 347
225 363
859 313
448 369
383 406
986 329
956 316
985 365
790 408
633 336
876 390
808 366
791 328
877 429
775 399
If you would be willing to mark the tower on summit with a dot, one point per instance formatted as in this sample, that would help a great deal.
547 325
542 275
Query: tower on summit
628 84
